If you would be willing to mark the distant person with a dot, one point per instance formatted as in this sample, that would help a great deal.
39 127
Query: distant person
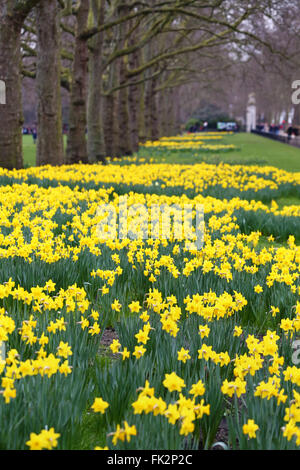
34 134
290 133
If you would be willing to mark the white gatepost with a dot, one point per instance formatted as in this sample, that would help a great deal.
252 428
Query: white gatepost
251 113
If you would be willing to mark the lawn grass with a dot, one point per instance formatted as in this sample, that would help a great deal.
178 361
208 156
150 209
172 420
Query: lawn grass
252 149
29 151
287 201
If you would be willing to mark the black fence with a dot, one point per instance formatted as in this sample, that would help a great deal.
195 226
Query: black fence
291 140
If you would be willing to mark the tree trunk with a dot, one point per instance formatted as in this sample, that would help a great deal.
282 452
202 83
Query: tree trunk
11 118
134 97
154 130
109 111
50 138
170 113
161 113
133 102
177 119
147 108
77 145
142 114
95 139
124 141
151 116
123 113
109 124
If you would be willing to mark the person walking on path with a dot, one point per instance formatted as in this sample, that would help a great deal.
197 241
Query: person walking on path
34 134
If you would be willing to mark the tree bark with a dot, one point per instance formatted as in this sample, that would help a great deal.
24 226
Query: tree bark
123 113
50 138
161 113
133 104
77 144
109 125
151 111
11 118
95 138
109 113
170 119
124 142
154 130
142 114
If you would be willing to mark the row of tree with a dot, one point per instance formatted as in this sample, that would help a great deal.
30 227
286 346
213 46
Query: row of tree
131 69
